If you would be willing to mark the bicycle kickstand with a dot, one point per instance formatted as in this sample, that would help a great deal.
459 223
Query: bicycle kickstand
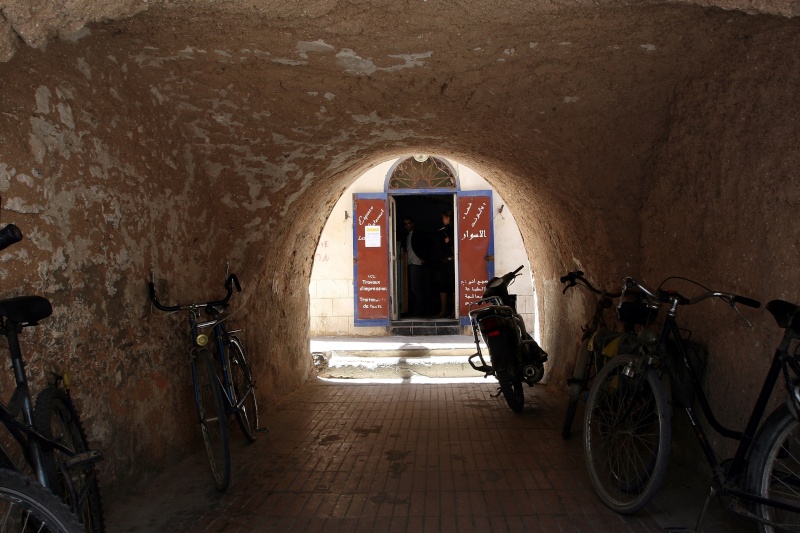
699 519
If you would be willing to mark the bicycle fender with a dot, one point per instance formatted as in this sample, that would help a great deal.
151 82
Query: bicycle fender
774 418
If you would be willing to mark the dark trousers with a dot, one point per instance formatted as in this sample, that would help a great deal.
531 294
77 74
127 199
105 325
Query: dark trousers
415 290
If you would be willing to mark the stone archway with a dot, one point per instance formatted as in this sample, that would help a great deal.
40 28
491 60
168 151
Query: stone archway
181 135
333 307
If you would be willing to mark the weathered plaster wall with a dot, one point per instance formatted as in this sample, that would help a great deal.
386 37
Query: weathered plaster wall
81 175
34 22
193 134
721 204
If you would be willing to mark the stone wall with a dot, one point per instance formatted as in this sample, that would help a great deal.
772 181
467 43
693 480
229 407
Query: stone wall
720 207
647 140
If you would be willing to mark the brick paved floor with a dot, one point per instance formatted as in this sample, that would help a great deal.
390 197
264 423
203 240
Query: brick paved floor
404 457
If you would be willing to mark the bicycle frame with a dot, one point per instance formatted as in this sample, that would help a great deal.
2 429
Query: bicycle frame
728 481
223 337
30 440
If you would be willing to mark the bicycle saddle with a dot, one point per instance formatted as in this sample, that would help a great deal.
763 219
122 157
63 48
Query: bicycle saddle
26 309
787 314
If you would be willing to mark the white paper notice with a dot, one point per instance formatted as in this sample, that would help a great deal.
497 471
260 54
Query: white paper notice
372 236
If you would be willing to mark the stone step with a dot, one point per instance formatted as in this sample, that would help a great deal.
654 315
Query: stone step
415 327
358 367
394 357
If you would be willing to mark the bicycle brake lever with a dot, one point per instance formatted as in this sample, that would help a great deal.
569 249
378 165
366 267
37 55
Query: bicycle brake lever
733 304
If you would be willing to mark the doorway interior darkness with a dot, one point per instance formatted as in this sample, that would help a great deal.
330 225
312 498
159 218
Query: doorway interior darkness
426 211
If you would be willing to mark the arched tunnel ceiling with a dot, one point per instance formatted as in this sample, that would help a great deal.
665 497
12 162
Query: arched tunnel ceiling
271 108
564 96
561 106
176 135
36 21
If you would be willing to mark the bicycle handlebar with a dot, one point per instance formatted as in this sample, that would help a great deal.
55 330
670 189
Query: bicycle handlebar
9 235
571 279
230 282
673 297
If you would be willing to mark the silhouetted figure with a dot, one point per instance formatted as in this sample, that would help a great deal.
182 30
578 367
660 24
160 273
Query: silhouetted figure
416 251
446 270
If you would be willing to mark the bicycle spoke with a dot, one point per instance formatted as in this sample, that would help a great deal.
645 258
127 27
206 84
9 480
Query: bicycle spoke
786 477
784 483
213 419
624 436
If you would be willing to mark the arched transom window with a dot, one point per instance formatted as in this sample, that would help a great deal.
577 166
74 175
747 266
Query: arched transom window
422 172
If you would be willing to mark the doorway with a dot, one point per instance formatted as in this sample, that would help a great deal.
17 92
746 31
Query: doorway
416 289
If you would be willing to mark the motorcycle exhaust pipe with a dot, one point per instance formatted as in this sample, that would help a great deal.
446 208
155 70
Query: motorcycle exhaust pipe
533 374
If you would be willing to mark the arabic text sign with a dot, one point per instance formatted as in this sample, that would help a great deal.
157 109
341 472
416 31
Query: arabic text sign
474 226
372 284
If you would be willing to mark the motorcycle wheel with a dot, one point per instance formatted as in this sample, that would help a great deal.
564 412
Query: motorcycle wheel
512 390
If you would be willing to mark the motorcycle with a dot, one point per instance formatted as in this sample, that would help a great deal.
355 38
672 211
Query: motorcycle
514 356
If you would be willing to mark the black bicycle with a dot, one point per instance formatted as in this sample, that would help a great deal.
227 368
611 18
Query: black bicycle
27 507
49 434
598 344
627 428
223 381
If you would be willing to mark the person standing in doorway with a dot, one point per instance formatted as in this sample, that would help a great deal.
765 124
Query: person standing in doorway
446 270
415 250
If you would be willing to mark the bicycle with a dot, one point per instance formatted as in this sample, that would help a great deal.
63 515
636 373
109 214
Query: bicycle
49 433
27 507
221 388
627 428
598 344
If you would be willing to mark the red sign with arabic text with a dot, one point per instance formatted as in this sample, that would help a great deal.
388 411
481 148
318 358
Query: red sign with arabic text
372 263
475 253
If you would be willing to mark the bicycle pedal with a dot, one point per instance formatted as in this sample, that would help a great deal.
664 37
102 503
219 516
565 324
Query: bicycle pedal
83 459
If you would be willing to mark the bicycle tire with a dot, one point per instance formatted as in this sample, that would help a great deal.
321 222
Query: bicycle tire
626 459
242 383
56 420
27 507
576 386
512 390
774 469
212 417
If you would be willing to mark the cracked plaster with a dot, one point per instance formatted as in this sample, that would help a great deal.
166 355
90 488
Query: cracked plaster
179 136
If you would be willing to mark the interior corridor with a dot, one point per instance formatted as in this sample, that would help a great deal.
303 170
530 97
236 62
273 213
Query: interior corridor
404 457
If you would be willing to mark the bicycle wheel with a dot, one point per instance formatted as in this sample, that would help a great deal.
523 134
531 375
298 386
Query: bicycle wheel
212 417
243 389
774 470
27 507
626 436
512 390
57 420
576 386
